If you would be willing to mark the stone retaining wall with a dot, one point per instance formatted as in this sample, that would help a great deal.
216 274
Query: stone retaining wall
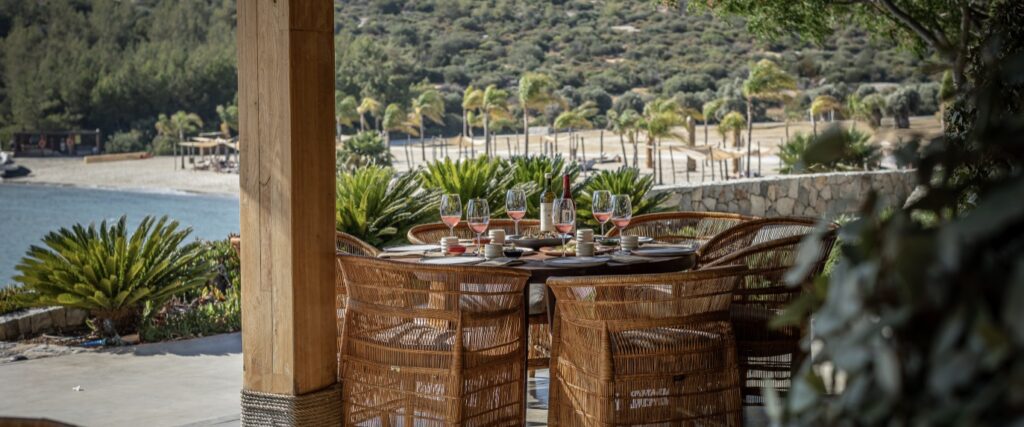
818 195
37 321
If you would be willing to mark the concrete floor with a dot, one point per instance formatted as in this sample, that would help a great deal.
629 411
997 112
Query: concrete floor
184 383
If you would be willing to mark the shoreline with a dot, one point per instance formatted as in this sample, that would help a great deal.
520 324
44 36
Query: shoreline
156 175
142 190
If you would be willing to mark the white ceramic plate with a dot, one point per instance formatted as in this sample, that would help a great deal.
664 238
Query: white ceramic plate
665 251
576 262
452 260
413 248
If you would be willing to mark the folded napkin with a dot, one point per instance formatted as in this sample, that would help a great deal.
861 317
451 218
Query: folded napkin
631 259
503 262
409 254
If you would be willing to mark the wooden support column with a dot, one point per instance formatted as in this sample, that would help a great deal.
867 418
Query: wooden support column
286 121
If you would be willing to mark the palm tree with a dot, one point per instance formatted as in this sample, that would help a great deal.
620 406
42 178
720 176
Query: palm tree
429 105
346 110
228 116
820 105
626 123
766 82
660 116
710 110
396 120
471 99
536 91
179 124
369 105
791 111
493 105
616 126
732 123
577 118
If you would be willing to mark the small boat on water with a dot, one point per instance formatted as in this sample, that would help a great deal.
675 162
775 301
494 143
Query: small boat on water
10 170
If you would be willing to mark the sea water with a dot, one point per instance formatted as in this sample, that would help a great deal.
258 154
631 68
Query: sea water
28 212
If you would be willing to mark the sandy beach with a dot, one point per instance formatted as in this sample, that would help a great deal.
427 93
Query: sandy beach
156 174
159 174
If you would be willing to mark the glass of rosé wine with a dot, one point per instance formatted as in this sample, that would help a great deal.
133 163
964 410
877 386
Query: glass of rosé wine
622 212
563 216
602 207
515 206
451 211
478 215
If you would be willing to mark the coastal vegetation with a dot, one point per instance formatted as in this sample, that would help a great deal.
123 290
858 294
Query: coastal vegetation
127 66
847 150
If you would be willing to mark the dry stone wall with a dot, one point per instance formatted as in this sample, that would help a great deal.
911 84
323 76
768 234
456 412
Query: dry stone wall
817 195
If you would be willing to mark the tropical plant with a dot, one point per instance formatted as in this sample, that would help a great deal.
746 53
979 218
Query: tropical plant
626 123
493 106
177 126
766 82
428 104
710 111
346 111
471 98
228 116
852 149
379 206
110 273
733 123
624 180
397 120
536 91
532 169
363 149
869 108
660 116
577 118
483 177
820 105
369 106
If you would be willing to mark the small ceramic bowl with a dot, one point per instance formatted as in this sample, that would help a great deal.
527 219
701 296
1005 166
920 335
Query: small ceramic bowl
456 249
513 252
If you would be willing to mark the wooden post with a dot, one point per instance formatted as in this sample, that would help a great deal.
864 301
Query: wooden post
286 104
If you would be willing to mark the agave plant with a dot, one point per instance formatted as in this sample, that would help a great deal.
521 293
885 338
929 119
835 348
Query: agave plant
363 149
110 273
484 177
624 180
531 169
379 206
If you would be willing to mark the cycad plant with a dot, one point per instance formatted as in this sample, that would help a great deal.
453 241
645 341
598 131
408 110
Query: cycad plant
484 177
847 150
379 206
531 169
110 273
363 149
624 180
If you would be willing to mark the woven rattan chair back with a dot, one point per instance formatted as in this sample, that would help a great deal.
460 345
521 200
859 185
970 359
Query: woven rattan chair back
432 345
681 227
767 355
427 234
745 234
645 350
349 244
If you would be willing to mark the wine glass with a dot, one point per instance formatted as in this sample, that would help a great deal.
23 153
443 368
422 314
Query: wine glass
602 207
515 206
563 216
451 211
622 212
478 214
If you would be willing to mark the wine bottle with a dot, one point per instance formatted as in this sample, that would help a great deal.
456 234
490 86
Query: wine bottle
566 190
547 197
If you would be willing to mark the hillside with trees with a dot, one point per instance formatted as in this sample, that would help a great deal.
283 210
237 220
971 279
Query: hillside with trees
119 65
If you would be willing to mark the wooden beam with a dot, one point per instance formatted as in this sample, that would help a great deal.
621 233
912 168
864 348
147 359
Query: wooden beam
286 110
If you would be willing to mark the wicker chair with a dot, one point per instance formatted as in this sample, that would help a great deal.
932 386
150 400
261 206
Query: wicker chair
433 345
752 232
652 349
425 234
682 227
768 356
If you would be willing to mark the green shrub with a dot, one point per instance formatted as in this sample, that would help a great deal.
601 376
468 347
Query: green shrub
624 180
363 149
375 204
213 312
12 299
110 273
846 150
125 142
483 177
163 145
531 169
